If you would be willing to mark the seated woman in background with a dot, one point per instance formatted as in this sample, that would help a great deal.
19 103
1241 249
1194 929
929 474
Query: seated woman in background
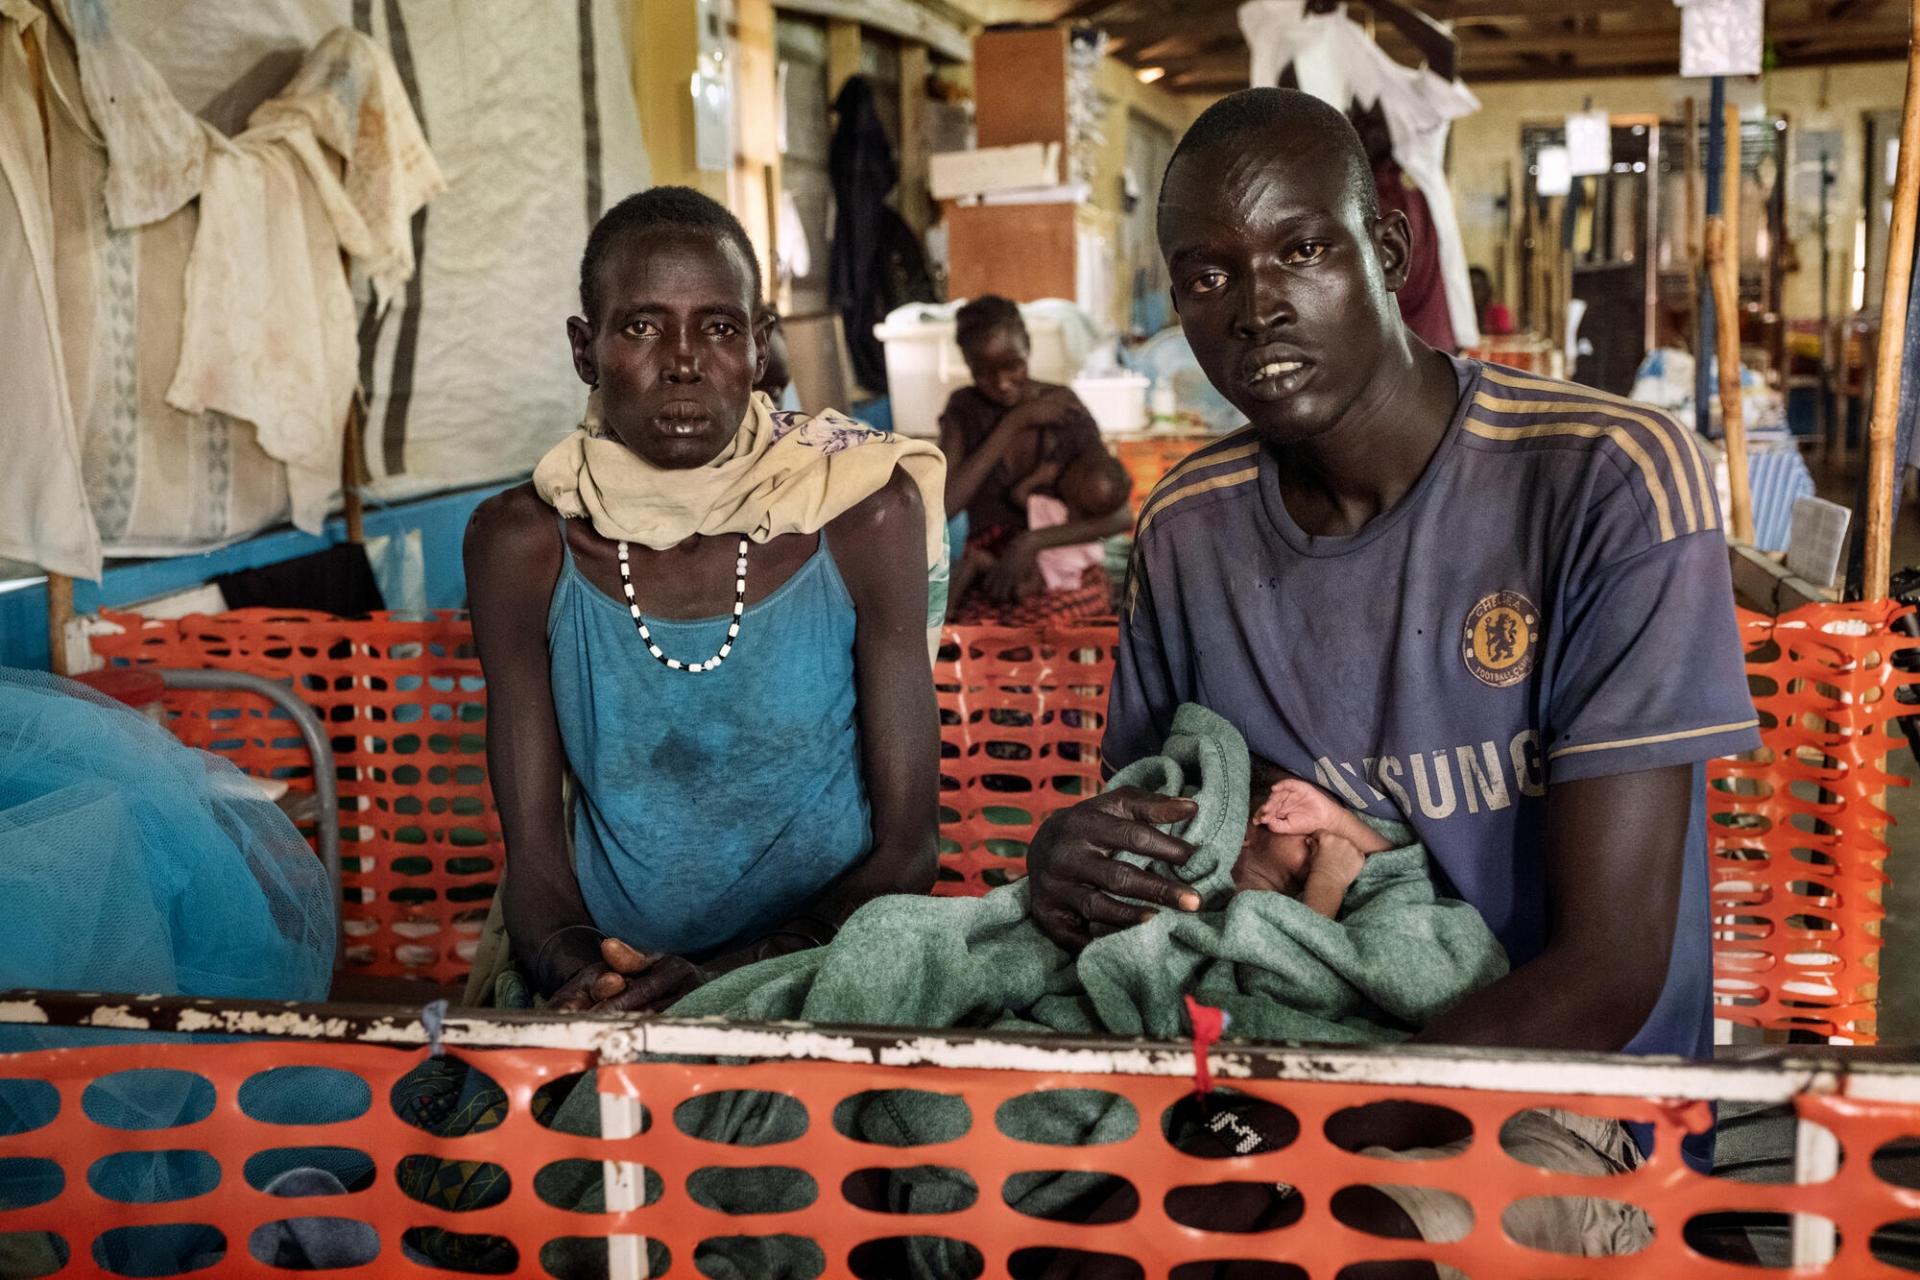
997 434
714 618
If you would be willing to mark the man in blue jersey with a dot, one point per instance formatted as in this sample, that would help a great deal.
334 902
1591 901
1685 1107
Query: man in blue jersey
1490 604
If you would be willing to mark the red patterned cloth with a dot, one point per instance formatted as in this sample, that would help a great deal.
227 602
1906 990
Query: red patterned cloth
1093 598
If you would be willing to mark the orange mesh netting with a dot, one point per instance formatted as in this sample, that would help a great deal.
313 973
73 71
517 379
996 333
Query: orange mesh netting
512 1154
1148 458
404 706
1798 836
1021 716
1798 831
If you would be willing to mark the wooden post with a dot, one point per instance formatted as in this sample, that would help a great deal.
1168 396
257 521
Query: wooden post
1692 229
350 477
1881 426
843 55
59 614
916 205
1723 266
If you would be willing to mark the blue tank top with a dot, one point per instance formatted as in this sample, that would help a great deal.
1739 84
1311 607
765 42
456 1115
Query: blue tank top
710 807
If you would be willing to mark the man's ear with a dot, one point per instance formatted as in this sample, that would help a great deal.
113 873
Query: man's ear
1393 243
580 338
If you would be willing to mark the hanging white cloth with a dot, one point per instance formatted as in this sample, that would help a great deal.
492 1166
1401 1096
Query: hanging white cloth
1334 60
796 255
334 163
44 516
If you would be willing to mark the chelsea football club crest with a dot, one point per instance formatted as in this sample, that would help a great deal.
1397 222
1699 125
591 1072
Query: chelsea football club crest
1501 639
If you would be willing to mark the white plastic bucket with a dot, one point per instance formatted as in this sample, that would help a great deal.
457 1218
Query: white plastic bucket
1117 401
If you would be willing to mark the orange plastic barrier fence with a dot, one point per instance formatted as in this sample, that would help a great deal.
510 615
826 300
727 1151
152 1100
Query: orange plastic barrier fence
1021 716
1147 1229
1799 831
1798 835
1148 458
1535 355
405 705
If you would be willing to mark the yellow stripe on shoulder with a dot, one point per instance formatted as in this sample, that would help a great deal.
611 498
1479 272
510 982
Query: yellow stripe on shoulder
1693 480
1234 447
1225 480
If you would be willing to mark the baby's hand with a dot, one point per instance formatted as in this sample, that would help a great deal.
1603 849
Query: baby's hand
1297 808
1336 858
1333 864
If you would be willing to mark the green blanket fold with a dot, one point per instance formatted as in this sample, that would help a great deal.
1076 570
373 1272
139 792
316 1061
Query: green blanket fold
1398 957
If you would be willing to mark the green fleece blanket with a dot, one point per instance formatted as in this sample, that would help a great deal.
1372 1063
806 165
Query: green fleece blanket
1397 957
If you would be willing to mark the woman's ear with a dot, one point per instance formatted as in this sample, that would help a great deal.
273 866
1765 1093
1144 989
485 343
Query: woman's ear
580 338
762 345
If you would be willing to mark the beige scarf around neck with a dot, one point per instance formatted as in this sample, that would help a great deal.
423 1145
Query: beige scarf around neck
782 473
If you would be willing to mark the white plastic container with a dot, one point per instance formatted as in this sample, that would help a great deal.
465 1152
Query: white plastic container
924 365
1117 401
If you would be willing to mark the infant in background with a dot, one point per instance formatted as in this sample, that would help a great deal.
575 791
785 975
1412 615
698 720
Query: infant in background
1305 844
1094 484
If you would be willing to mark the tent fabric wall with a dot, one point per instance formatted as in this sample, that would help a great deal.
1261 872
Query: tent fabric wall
467 371
530 113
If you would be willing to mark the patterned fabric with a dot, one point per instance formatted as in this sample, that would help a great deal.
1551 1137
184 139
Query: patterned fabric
782 473
1093 598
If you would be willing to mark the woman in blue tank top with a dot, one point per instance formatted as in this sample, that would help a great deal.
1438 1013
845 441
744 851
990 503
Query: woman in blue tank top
727 652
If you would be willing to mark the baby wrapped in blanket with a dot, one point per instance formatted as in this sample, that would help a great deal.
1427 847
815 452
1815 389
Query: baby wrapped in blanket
1397 956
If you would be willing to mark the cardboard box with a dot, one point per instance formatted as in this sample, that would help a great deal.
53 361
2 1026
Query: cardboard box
953 174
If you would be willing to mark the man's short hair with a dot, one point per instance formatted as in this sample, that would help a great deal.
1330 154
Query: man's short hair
680 208
986 314
1251 115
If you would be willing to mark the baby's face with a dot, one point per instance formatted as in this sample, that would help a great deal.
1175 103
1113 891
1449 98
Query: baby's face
1272 861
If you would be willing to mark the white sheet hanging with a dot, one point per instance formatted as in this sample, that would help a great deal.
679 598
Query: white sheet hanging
333 163
44 517
1335 61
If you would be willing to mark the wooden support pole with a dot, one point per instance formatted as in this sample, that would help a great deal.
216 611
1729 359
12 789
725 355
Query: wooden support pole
916 205
1692 229
350 477
1882 425
1723 266
843 55
59 614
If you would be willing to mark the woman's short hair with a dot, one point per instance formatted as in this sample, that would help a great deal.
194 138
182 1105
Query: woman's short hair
987 314
681 208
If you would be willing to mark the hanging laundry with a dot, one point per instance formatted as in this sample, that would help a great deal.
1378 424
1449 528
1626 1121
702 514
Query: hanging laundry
1334 60
44 518
795 253
119 208
269 333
